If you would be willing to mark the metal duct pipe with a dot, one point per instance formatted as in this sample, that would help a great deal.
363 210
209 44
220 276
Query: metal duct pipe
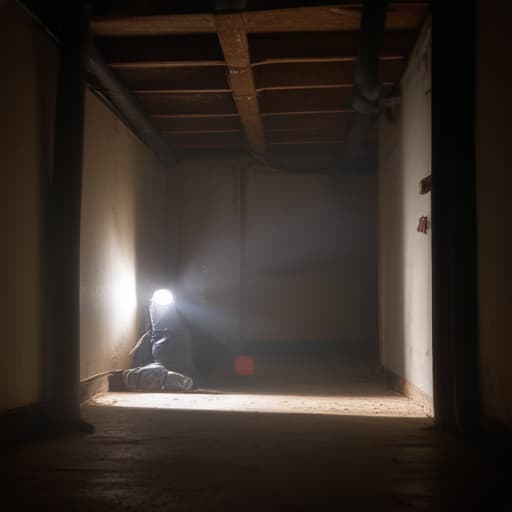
365 100
366 83
130 108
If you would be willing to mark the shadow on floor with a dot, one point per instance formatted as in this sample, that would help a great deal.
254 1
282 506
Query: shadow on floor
147 459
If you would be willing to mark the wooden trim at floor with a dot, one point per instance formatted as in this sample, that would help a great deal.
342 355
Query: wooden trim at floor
404 387
93 385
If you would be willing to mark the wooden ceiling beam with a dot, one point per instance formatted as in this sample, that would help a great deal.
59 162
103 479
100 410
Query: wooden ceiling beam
299 148
201 123
198 131
170 116
170 48
205 50
304 136
306 19
173 116
150 65
304 101
194 144
194 79
290 87
190 49
153 25
318 74
233 40
189 104
319 121
335 46
331 18
206 139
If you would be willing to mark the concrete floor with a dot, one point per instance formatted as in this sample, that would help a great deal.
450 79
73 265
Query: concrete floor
311 443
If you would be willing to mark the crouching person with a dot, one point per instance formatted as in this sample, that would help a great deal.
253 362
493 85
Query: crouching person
162 358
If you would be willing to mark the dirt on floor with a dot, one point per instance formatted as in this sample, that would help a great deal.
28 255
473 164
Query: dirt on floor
255 448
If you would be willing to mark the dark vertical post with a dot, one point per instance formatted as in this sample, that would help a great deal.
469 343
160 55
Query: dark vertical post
64 218
454 286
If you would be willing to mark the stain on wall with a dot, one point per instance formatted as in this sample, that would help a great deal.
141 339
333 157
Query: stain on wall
405 279
494 183
27 106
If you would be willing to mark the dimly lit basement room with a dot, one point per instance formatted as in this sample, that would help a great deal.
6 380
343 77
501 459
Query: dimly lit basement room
256 255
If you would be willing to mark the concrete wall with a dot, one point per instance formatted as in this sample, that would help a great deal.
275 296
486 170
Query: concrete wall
405 255
494 208
310 259
123 240
125 217
309 255
27 93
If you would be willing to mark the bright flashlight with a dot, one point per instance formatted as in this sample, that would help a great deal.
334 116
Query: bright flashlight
163 297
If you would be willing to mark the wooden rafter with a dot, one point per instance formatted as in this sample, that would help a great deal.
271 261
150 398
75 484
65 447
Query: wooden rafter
282 77
308 19
233 39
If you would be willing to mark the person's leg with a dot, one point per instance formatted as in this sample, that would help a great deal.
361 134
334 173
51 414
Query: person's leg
155 377
147 378
178 382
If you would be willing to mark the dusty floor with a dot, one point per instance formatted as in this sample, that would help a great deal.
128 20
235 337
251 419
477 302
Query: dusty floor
328 443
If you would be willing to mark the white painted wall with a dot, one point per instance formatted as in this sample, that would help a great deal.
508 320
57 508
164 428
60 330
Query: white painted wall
122 253
26 105
405 255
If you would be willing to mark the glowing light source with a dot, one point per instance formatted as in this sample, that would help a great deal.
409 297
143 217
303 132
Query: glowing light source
163 297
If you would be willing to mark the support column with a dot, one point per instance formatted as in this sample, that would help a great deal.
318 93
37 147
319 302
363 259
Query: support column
64 221
454 271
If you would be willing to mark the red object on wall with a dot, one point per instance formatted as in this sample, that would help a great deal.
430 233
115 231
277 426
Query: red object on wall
244 365
422 225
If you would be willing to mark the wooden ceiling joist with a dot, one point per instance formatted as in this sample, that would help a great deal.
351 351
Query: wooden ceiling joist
199 104
305 101
316 74
304 136
204 123
176 79
266 78
281 77
233 39
203 50
205 139
171 48
197 116
306 19
318 46
154 25
190 49
318 121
